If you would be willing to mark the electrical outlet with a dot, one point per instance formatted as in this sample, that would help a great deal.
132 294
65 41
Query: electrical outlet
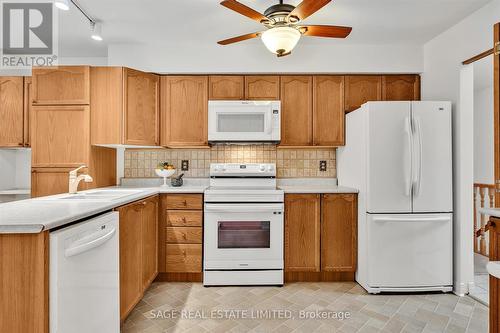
322 165
185 165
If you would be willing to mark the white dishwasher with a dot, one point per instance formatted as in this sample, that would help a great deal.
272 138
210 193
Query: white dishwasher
84 277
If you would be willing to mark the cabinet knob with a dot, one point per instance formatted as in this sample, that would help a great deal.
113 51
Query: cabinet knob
185 203
144 203
184 220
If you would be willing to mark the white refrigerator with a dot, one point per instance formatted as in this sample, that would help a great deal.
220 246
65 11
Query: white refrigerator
399 156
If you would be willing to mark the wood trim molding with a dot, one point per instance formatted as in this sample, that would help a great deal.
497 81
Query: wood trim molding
478 57
496 111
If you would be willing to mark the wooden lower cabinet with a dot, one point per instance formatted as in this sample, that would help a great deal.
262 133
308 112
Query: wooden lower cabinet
138 251
24 282
494 255
302 232
150 241
320 237
181 237
339 232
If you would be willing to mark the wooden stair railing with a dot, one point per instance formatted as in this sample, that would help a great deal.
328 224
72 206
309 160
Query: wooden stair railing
486 194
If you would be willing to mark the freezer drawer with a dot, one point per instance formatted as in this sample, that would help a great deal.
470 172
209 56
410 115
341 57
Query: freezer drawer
409 250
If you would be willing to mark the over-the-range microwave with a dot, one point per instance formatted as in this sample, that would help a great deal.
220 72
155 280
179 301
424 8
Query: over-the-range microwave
244 121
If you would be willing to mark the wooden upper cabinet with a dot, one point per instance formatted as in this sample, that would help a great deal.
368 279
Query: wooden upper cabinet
302 232
149 240
262 87
401 87
296 110
339 232
141 120
62 85
11 111
226 87
50 181
60 136
28 101
184 111
125 106
360 89
328 111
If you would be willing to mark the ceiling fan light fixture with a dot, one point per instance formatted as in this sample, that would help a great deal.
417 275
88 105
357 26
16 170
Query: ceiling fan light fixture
281 40
96 31
62 4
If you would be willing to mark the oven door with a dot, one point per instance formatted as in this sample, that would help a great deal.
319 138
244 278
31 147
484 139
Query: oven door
243 236
244 121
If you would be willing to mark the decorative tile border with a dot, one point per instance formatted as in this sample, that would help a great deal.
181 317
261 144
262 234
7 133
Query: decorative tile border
140 163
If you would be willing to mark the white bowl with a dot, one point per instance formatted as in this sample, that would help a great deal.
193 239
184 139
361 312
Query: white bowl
164 173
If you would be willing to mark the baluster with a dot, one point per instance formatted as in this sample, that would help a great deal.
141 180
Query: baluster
482 241
476 248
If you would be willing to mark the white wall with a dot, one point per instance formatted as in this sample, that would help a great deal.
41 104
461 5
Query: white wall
484 158
441 80
252 57
15 166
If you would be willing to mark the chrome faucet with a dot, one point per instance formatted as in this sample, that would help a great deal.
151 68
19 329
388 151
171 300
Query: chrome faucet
74 179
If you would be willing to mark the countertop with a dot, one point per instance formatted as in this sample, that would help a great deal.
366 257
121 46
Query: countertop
39 214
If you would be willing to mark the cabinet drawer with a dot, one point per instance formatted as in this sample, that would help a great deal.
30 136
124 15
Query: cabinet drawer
184 218
184 201
184 235
184 258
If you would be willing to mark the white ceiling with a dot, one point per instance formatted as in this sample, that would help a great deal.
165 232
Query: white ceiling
166 22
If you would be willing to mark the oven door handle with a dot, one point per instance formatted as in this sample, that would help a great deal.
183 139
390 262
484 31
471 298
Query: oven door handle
243 208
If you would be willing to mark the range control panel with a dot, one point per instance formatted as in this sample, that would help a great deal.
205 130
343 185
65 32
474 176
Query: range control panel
243 170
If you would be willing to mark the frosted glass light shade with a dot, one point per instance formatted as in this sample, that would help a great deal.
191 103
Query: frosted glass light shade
281 40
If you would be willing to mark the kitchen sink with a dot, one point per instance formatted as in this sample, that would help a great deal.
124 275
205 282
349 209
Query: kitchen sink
98 195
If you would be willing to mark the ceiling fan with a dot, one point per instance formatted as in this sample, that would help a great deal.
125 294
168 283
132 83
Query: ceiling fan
283 23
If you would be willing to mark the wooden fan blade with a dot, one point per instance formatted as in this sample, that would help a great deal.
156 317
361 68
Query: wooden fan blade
244 10
330 31
238 38
306 8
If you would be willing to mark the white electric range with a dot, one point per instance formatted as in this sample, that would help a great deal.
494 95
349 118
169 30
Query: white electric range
243 227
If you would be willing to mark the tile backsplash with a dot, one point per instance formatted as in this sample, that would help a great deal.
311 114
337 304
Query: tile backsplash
140 163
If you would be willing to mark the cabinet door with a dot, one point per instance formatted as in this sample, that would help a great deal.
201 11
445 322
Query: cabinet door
60 136
302 233
262 87
66 85
296 111
131 280
226 87
141 107
11 111
184 109
360 89
328 111
28 100
339 232
149 241
50 181
401 87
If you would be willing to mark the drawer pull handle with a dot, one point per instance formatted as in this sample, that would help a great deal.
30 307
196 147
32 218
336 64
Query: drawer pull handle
184 236
185 203
184 220
184 253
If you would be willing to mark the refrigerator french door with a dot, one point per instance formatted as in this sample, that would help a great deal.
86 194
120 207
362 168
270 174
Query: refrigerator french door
409 156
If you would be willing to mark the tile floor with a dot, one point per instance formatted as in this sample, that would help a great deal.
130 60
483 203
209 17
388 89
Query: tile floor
190 307
481 279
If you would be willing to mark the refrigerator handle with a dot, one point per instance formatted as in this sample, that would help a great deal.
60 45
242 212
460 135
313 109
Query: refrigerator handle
409 176
418 161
